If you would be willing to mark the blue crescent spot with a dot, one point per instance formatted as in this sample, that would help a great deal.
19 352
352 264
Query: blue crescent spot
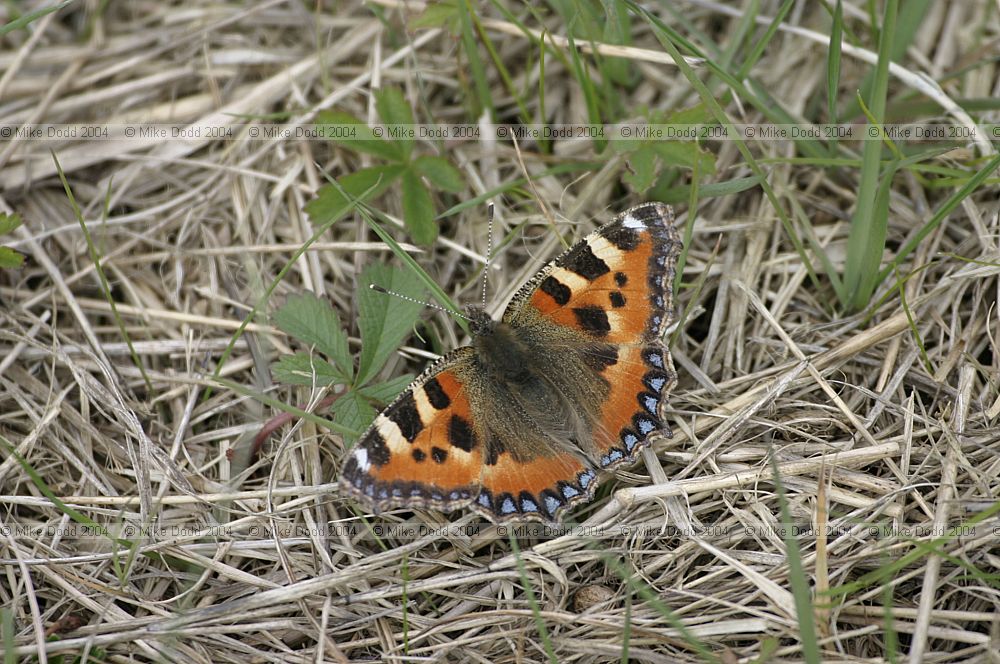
370 490
416 492
397 492
454 495
656 321
611 457
383 493
585 478
657 384
552 504
569 492
645 426
507 507
484 500
650 402
528 505
655 360
630 440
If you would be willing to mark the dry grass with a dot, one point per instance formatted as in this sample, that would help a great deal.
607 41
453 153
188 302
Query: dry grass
864 425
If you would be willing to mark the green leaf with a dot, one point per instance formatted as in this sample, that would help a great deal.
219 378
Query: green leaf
416 271
384 320
330 203
306 369
440 172
699 114
384 393
643 168
10 258
418 209
9 222
685 154
393 108
681 194
314 321
439 15
346 130
351 410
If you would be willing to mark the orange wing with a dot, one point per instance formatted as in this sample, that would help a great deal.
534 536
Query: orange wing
423 449
615 284
616 287
640 381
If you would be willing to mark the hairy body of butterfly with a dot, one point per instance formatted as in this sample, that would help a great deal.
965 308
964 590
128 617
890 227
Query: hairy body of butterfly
571 380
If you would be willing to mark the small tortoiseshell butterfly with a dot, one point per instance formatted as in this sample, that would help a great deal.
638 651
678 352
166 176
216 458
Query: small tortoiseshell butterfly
570 381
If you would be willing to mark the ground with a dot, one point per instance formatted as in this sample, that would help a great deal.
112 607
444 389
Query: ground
184 173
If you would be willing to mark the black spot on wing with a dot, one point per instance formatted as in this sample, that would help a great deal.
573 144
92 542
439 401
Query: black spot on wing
560 292
438 455
374 445
406 417
593 319
583 261
621 279
624 238
460 434
652 215
617 299
436 394
419 455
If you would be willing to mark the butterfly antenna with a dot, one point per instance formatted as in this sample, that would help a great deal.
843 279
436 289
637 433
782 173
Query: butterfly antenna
489 249
386 291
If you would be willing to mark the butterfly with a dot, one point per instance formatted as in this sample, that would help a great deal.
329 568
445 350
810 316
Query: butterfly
571 381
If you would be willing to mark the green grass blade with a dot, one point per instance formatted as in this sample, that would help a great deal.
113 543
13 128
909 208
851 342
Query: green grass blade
277 404
668 39
637 585
102 277
765 40
740 34
476 67
351 202
833 65
866 240
946 208
797 577
536 611
589 91
436 291
28 19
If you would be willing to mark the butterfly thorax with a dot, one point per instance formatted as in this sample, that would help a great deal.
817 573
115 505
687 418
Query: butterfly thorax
499 349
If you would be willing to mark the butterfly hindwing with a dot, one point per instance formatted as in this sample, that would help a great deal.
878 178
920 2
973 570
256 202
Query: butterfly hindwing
640 380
